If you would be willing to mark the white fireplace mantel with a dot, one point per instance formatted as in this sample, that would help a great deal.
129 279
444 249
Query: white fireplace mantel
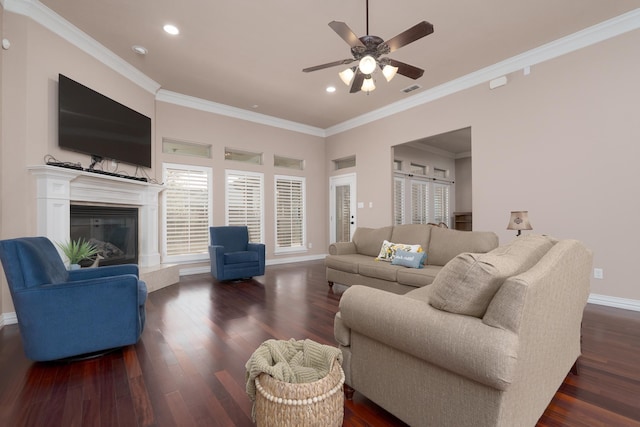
57 188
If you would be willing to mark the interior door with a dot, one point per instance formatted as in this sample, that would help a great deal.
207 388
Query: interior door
342 215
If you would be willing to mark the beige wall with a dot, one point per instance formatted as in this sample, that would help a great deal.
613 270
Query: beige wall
562 143
464 185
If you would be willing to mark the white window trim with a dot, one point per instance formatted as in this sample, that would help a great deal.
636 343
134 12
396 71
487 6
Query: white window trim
303 248
260 175
187 257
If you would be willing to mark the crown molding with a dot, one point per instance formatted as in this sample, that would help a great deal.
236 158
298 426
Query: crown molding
63 28
603 31
238 113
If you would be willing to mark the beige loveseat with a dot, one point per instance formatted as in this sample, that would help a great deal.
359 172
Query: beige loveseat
503 335
354 263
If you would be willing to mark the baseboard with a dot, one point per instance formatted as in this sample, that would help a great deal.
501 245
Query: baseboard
624 303
8 319
295 259
207 269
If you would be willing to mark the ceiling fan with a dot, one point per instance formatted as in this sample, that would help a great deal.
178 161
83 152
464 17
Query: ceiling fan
369 51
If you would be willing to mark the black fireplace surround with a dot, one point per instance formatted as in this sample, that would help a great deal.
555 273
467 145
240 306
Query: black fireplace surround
112 230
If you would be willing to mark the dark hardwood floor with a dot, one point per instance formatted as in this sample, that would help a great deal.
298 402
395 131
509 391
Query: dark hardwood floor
188 368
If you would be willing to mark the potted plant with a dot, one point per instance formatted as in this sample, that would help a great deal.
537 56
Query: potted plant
76 251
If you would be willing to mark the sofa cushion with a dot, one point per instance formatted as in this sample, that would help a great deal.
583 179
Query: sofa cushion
347 263
379 270
412 234
467 284
369 240
446 244
418 277
409 259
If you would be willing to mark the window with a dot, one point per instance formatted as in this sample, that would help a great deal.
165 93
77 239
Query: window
244 201
286 162
173 146
187 212
419 202
347 162
242 156
425 199
290 213
418 169
398 200
440 173
440 203
397 165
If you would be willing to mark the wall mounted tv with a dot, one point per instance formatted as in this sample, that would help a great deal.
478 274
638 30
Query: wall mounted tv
91 123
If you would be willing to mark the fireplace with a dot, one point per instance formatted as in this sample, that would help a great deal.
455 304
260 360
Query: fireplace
112 230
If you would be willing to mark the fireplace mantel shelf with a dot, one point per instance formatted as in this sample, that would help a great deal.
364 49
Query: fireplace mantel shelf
57 188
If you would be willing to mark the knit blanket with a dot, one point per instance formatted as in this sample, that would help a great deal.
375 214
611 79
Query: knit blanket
290 361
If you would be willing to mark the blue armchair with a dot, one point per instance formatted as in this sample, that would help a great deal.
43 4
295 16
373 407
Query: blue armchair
70 313
232 256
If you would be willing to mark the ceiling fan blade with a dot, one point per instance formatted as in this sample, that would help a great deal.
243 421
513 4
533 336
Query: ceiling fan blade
357 82
329 65
408 36
345 33
406 69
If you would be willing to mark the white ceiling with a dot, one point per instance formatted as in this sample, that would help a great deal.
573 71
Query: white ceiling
249 53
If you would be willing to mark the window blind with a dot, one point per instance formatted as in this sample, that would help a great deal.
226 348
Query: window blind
441 203
244 202
419 202
290 213
398 200
186 209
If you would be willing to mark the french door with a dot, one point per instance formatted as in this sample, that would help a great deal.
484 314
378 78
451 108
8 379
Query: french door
342 207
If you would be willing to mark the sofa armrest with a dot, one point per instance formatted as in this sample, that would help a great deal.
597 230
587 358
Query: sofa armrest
342 248
460 344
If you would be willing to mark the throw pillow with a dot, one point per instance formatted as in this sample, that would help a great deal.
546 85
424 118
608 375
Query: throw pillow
409 259
467 283
389 249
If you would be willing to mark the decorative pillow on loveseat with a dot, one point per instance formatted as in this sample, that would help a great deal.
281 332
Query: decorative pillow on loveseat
409 259
467 283
389 249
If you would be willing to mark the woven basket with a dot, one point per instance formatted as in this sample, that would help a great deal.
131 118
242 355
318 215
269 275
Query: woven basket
282 404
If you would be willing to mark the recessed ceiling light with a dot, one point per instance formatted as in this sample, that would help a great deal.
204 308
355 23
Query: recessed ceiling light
171 29
330 89
140 50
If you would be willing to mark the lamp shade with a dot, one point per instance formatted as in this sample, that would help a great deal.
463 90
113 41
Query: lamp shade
368 85
367 65
347 75
389 71
519 221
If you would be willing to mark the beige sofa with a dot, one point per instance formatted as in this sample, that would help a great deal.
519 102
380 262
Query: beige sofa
354 263
487 344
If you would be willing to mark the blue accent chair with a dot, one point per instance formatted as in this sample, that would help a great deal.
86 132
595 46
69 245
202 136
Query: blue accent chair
232 256
63 314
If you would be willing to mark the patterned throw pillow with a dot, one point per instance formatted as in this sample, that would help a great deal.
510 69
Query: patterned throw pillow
409 259
389 249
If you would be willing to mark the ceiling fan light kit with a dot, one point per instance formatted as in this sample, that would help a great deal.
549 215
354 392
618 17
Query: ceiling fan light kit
368 50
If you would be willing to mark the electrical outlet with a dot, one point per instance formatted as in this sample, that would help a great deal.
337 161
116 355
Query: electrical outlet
310 245
598 273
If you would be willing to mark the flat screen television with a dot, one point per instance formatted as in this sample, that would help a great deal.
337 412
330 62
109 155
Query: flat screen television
91 123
